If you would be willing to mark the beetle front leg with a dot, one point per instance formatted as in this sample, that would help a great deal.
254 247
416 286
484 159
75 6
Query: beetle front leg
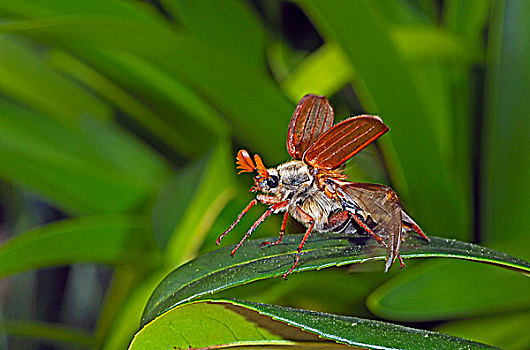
247 208
269 211
261 198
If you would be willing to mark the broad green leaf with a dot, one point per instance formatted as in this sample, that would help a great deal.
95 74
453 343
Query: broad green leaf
467 18
125 279
28 78
189 203
124 325
252 101
505 144
251 324
507 331
64 166
327 290
109 90
219 324
216 271
447 290
168 108
385 87
216 187
35 8
121 151
47 332
106 239
419 43
173 199
327 69
230 25
323 72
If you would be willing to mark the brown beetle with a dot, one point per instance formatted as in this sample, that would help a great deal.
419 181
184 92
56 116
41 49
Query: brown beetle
313 189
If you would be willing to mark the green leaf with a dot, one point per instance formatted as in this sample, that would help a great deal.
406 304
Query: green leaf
216 271
35 8
28 78
119 333
447 290
507 330
341 291
173 199
106 239
104 80
123 152
242 36
253 103
324 72
431 43
48 332
168 108
505 144
190 202
467 18
216 187
228 323
66 167
202 324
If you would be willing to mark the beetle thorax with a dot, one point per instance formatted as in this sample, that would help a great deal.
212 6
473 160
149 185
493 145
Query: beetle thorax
294 177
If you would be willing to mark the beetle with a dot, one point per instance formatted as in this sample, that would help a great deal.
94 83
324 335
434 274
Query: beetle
313 189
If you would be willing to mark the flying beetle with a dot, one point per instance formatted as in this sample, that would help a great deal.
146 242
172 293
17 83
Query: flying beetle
313 189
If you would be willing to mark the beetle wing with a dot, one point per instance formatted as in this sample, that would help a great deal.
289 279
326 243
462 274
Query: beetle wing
311 118
343 141
384 213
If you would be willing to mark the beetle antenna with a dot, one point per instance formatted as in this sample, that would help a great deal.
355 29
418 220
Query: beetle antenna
262 171
244 162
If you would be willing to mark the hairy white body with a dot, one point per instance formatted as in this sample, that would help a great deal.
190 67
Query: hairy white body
296 184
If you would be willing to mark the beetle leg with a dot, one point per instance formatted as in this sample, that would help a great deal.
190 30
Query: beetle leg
259 198
266 214
265 199
282 231
250 205
368 230
409 224
306 236
401 262
338 221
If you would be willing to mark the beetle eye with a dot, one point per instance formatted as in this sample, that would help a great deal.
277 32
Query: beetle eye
272 181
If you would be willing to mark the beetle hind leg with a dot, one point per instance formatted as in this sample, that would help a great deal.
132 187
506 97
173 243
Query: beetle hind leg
368 230
410 225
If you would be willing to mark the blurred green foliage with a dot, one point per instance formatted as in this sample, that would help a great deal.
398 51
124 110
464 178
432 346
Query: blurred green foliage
119 121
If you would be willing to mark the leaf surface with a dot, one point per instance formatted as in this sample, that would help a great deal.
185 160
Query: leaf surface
440 290
230 323
216 271
106 239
